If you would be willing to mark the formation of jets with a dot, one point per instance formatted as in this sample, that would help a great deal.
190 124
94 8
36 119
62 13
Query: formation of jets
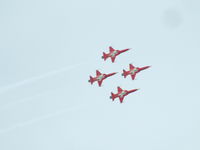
100 77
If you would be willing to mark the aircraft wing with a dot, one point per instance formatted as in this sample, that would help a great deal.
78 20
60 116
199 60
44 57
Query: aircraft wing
113 58
98 72
133 76
121 99
111 49
131 66
100 82
119 89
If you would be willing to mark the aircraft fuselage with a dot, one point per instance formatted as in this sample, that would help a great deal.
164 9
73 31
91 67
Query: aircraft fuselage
133 71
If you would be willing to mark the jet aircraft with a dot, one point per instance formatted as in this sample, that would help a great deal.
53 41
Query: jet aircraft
121 94
133 71
113 53
100 77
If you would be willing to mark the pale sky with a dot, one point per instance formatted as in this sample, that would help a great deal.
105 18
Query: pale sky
49 48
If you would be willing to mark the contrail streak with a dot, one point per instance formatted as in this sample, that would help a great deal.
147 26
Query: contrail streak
38 119
36 78
26 99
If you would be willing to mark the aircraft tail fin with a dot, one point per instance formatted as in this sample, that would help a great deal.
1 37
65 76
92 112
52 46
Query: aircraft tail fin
91 80
113 96
105 56
125 73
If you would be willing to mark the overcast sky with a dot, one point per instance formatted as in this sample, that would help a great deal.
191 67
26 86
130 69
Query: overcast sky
49 48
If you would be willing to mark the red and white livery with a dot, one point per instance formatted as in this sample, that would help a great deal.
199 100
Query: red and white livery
100 77
113 53
133 71
121 94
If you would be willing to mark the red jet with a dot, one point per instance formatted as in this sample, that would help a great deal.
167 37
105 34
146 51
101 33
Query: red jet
133 71
100 77
121 94
113 53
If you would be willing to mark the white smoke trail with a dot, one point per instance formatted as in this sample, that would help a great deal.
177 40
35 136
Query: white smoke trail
27 99
38 119
36 78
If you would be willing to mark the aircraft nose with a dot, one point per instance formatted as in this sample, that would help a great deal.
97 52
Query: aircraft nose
122 74
102 57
